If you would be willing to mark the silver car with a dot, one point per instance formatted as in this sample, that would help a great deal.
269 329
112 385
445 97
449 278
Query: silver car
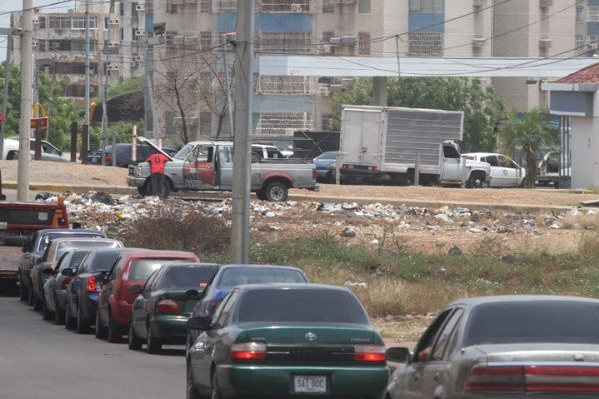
546 347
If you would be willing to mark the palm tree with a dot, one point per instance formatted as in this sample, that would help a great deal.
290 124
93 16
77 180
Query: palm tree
531 134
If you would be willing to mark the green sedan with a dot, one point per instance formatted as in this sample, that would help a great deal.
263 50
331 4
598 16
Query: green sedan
287 341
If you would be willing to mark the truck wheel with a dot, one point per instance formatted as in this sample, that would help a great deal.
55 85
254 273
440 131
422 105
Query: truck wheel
143 190
276 191
476 181
11 156
260 195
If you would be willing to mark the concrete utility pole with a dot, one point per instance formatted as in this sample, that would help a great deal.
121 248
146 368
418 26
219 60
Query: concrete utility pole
6 84
26 101
102 67
240 234
87 75
228 86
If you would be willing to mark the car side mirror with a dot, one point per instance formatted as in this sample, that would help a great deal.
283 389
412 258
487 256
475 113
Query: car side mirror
67 272
135 289
199 323
399 355
192 294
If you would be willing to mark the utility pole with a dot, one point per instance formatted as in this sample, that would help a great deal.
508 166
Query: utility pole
244 46
26 101
104 78
6 84
87 79
148 93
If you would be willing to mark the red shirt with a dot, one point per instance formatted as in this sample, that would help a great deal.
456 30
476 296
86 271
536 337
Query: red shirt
157 162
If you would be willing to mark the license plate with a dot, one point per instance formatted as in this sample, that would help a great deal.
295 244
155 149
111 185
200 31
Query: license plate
310 384
3 225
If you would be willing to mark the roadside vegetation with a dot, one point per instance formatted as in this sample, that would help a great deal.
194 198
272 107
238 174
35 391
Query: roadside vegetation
391 281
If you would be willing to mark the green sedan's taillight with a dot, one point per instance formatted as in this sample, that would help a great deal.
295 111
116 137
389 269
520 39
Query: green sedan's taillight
248 351
370 353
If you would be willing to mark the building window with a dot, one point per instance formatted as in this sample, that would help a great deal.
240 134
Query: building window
283 42
326 122
328 6
206 6
282 123
42 22
425 43
579 14
593 14
71 45
363 43
364 7
59 22
78 23
284 6
426 5
205 40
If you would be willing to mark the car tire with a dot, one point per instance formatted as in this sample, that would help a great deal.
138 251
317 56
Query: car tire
214 389
134 341
37 303
83 325
58 316
115 333
261 195
276 191
23 293
30 297
70 322
101 331
46 313
153 344
191 392
143 190
11 156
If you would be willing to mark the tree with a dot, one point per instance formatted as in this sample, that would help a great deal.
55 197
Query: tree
531 134
483 109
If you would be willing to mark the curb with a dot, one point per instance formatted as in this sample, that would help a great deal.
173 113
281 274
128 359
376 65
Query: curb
123 190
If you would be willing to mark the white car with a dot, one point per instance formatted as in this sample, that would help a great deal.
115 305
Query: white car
49 152
504 171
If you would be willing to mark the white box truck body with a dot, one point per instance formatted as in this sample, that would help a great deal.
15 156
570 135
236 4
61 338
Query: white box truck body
388 144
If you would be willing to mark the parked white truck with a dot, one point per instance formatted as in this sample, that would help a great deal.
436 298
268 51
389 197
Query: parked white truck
389 144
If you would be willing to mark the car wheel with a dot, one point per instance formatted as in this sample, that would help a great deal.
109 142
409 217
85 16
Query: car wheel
153 344
191 391
134 341
83 325
115 334
214 390
23 294
101 331
30 296
261 195
70 322
276 191
58 316
37 303
46 313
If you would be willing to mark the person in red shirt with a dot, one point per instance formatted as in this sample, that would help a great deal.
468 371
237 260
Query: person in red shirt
157 181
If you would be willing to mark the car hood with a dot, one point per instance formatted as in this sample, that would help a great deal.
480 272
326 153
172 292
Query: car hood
142 139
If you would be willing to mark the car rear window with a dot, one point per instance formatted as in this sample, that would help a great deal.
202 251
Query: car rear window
534 321
301 305
256 275
102 261
188 277
141 269
62 248
43 243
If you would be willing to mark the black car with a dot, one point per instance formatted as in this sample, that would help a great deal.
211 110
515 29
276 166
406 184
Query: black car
82 291
159 314
123 154
55 287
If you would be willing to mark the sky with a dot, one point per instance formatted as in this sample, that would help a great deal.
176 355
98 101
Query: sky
6 6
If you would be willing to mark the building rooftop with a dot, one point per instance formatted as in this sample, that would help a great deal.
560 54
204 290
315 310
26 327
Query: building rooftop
589 74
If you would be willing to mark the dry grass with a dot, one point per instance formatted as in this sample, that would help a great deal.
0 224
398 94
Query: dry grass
589 244
586 222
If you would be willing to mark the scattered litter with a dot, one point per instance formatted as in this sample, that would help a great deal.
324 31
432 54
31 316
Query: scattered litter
348 232
454 251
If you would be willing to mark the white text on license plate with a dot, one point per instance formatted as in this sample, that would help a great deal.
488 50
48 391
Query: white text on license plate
310 383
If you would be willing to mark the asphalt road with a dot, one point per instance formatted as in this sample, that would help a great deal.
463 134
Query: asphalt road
39 359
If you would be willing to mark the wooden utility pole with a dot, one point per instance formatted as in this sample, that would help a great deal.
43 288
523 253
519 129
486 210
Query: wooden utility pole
244 46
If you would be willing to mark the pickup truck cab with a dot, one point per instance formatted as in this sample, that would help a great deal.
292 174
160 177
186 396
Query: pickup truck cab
208 166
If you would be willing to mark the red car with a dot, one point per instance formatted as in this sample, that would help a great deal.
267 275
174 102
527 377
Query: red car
118 289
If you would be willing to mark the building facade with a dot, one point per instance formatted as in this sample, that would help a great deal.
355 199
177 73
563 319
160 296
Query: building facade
59 44
362 28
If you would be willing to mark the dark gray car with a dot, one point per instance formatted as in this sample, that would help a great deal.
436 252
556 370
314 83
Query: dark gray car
504 347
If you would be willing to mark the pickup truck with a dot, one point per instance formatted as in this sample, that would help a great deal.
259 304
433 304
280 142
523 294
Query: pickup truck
208 166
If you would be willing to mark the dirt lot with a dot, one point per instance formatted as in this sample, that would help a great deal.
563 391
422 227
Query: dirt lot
348 212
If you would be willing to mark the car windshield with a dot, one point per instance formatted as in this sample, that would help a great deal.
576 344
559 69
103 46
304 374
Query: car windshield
43 243
257 275
184 152
142 268
188 277
550 321
76 259
328 155
62 248
301 305
102 261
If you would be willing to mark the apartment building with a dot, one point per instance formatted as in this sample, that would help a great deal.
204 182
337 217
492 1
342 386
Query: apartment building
365 28
59 43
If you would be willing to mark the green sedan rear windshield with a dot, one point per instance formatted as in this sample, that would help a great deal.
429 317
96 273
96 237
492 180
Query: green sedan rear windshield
301 305
534 321
259 275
